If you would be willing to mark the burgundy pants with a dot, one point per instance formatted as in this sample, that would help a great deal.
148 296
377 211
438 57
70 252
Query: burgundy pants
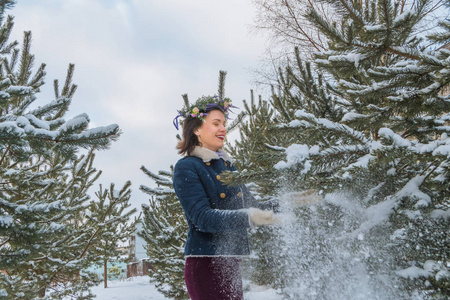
214 278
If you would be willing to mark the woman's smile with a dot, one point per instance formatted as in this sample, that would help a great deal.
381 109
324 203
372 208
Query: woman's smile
212 133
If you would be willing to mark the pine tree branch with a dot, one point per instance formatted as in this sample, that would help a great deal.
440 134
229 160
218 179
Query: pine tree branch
387 20
186 100
434 169
436 6
325 27
67 84
402 6
5 242
351 12
4 154
56 88
112 203
27 59
400 53
292 14
237 121
112 136
221 88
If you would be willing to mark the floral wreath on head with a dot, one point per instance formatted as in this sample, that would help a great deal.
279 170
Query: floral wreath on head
202 106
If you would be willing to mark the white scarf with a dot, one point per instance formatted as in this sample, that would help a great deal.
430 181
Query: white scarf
207 155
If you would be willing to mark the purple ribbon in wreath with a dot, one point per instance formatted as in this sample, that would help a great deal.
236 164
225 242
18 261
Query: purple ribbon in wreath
175 121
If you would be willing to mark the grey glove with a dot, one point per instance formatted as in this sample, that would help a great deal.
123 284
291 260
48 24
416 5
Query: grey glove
262 217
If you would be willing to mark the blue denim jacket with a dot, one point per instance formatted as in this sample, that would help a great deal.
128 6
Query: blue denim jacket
215 212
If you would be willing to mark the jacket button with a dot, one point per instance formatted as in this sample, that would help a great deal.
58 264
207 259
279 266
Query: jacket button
239 194
222 195
218 177
208 163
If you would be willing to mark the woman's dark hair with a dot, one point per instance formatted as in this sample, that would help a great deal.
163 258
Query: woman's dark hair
189 139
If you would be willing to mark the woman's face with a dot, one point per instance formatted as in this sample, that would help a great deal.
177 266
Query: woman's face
212 132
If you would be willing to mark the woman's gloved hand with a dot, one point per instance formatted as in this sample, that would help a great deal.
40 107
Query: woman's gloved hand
262 217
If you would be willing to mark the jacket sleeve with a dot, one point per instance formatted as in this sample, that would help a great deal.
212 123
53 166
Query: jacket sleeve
252 202
194 200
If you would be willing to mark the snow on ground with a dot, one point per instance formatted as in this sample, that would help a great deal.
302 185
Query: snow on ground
139 288
136 288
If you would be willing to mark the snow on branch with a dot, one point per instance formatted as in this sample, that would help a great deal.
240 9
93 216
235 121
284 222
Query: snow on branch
51 107
411 189
337 128
296 154
396 139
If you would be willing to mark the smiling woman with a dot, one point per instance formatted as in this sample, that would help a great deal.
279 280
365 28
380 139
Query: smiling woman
218 215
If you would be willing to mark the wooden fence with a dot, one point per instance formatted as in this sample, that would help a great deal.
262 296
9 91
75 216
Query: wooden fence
139 268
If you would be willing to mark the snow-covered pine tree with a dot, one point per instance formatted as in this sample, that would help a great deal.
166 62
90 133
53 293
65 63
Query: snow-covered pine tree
373 125
46 236
110 216
251 145
43 181
398 116
164 230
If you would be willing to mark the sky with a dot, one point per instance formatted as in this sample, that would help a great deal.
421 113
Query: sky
133 61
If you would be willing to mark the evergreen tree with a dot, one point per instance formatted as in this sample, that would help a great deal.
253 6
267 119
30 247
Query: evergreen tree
253 140
371 124
112 223
164 230
44 181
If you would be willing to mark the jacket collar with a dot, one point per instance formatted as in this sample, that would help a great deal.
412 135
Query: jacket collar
207 155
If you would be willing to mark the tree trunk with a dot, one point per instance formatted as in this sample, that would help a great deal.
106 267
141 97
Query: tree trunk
105 273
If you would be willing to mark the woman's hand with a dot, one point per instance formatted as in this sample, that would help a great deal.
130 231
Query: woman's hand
260 217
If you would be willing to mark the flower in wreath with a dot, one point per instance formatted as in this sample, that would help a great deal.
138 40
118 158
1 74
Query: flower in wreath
202 106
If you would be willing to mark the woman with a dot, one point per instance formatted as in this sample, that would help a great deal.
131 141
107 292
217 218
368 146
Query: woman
218 215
